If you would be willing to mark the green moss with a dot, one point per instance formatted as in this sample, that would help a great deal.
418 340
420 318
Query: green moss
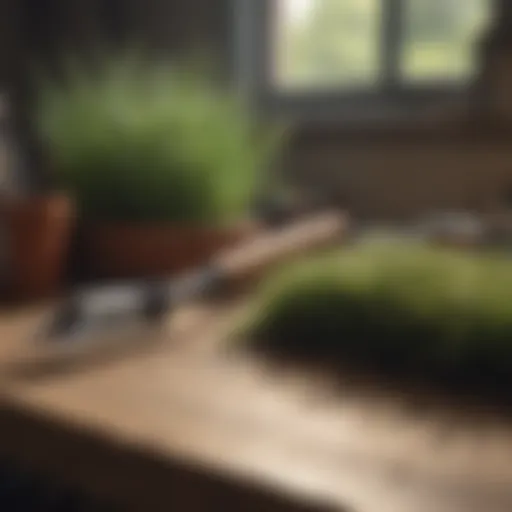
400 306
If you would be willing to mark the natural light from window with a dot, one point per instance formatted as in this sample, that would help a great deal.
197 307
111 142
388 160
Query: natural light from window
346 43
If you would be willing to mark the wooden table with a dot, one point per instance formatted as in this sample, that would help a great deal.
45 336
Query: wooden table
177 425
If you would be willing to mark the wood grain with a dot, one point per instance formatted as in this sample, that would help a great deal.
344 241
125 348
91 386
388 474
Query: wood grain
186 424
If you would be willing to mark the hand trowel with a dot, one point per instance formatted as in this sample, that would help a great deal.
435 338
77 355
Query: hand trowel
108 317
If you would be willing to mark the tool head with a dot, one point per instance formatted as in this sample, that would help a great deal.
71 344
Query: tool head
116 308
91 326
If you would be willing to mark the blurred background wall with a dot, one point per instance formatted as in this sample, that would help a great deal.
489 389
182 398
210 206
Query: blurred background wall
450 161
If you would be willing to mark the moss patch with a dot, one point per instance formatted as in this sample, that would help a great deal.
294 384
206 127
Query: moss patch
400 307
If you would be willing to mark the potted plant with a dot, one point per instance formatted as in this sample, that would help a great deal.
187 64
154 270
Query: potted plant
163 162
37 223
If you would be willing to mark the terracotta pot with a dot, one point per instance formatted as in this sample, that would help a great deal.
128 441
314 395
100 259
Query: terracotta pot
137 251
39 231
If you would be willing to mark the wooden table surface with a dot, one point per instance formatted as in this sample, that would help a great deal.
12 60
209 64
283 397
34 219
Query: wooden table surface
179 423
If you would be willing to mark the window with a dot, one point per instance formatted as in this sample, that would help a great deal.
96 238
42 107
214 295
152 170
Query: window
326 43
440 38
381 47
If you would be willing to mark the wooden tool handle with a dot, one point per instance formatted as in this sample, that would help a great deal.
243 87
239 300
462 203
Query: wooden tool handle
253 257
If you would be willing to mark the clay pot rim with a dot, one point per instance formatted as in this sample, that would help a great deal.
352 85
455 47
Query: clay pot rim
49 195
39 204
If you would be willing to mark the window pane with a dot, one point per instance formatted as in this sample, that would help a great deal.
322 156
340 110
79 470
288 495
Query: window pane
441 38
327 43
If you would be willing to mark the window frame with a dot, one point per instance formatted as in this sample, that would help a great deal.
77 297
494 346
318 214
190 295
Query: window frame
395 97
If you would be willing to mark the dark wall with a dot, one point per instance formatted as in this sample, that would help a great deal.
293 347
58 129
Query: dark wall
37 32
